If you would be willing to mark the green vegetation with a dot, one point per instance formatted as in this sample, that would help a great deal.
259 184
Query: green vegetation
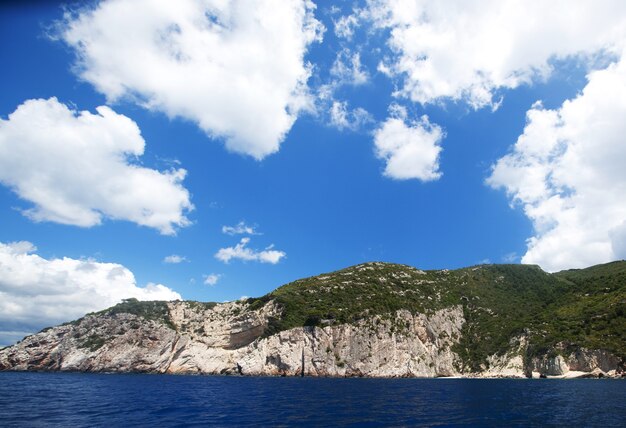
92 342
358 292
580 308
200 305
501 303
592 310
155 310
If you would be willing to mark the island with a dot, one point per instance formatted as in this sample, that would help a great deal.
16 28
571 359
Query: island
370 320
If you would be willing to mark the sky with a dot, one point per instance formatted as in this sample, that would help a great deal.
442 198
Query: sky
215 149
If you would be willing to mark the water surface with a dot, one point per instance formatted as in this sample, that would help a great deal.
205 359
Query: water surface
79 399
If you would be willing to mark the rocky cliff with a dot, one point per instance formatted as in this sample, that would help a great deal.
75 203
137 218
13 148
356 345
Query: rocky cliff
370 320
228 339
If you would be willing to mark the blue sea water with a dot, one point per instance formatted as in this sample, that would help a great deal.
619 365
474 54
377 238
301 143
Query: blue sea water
78 399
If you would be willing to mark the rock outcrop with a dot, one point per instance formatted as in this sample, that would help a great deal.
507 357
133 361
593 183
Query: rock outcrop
374 319
228 339
404 346
579 363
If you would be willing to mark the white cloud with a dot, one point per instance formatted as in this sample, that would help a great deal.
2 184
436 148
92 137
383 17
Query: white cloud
242 252
347 69
345 26
36 292
234 68
175 259
342 117
468 50
409 148
212 279
78 168
240 228
567 172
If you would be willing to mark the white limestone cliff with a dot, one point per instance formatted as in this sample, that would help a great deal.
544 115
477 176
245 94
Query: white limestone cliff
229 339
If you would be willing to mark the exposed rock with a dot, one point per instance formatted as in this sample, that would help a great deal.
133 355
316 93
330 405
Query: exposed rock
551 366
95 344
587 360
373 347
230 343
226 339
347 323
578 363
508 365
227 325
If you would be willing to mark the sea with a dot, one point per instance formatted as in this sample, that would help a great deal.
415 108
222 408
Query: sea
143 400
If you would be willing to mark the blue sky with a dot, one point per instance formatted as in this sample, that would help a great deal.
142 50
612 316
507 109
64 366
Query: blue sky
335 133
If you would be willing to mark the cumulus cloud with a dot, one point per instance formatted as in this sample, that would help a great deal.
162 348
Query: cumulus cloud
79 168
468 50
212 279
242 252
37 292
234 68
240 228
175 259
409 148
567 172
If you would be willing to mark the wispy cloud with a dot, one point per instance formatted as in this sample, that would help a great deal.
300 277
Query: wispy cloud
510 257
242 252
175 259
347 69
211 279
341 117
240 228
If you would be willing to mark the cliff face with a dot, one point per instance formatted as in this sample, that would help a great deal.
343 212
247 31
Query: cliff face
374 320
405 345
227 339
222 341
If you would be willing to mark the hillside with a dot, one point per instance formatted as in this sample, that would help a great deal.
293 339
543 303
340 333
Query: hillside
580 308
492 320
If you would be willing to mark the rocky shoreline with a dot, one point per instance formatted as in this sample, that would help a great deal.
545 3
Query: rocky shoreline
229 339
